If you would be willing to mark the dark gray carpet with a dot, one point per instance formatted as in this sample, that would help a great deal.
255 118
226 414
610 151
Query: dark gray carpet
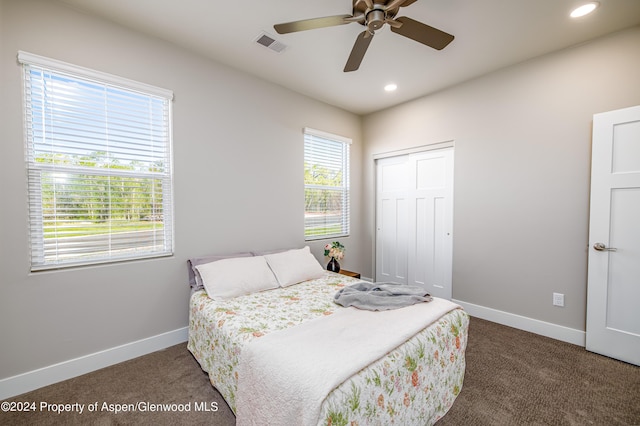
518 378
165 377
512 378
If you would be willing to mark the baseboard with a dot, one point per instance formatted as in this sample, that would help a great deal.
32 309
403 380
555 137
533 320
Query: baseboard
35 379
558 332
31 380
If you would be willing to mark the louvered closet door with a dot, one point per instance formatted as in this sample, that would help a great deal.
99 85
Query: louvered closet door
414 209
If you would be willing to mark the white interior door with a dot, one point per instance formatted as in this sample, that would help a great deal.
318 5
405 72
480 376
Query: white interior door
613 300
414 217
431 221
391 220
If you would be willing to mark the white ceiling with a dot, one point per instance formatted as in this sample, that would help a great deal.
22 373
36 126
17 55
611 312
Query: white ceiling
489 34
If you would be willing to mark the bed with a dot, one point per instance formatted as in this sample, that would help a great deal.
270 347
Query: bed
415 382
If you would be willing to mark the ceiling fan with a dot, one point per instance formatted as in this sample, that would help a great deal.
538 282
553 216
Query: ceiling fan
373 14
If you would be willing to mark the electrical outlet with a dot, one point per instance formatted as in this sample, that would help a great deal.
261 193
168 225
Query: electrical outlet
558 299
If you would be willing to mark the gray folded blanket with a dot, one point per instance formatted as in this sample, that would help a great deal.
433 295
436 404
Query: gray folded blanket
381 296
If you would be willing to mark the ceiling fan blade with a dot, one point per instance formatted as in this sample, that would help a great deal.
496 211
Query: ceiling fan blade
407 3
394 4
393 23
359 49
422 33
311 24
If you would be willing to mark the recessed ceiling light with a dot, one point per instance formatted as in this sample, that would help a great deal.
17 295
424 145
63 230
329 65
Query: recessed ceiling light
585 9
390 87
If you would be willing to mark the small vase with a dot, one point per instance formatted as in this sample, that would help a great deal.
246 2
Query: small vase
333 265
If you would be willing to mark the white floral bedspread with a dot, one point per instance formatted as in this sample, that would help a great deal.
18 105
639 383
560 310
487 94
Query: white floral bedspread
415 384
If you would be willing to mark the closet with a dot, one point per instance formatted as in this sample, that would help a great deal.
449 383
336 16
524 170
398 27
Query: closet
414 219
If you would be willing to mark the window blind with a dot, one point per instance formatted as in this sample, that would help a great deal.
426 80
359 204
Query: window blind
326 178
99 172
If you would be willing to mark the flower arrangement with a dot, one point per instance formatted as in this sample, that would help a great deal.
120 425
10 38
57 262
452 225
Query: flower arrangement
334 250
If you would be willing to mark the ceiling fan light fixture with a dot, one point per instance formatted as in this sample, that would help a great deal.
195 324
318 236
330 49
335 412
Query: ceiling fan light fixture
391 87
585 9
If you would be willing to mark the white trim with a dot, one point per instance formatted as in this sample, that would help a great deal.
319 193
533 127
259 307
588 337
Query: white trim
41 61
26 382
555 331
414 150
35 379
326 135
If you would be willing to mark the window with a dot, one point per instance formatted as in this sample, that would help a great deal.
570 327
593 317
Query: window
326 185
98 156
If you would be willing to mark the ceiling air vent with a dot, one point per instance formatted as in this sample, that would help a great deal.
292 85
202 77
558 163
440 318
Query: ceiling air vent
266 40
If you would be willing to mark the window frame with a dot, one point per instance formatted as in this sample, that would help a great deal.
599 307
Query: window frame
319 137
37 169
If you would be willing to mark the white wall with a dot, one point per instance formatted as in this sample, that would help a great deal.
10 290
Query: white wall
238 149
522 169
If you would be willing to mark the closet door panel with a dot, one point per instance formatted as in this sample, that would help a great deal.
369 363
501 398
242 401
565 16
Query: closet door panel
415 217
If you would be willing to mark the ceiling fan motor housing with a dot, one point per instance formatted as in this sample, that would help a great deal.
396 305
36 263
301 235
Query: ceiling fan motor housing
375 19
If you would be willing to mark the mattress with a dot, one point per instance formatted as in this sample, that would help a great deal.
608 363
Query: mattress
415 383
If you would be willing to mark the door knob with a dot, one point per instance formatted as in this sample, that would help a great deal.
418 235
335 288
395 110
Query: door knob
602 247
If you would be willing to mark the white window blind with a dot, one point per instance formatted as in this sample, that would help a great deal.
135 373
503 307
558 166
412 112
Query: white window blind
326 189
98 155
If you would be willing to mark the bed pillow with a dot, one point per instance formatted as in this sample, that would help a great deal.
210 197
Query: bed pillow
229 278
194 276
266 252
294 266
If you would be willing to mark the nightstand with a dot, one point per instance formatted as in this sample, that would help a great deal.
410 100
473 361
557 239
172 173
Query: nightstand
349 273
